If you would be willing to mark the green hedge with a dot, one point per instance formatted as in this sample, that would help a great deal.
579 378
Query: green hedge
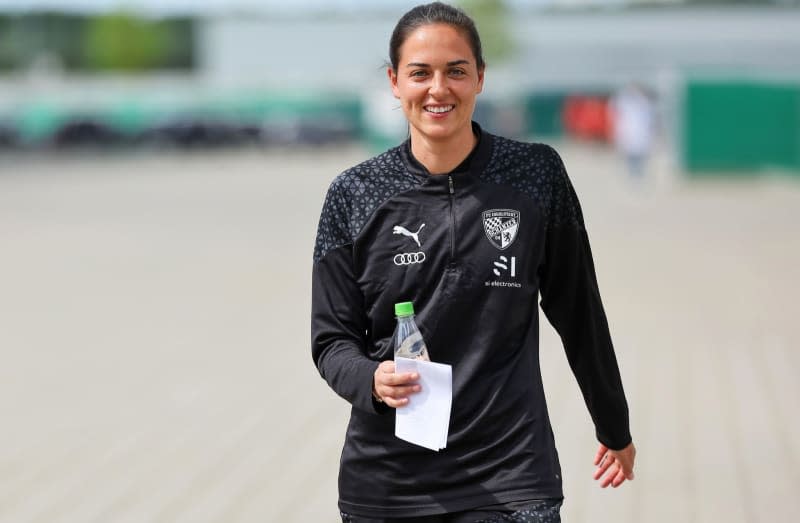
741 126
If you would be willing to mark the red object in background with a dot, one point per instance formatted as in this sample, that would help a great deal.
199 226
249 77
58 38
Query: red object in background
588 117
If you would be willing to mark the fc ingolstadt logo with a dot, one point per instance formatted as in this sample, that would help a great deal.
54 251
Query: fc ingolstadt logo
501 226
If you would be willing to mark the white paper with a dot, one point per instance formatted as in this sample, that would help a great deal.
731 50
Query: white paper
425 419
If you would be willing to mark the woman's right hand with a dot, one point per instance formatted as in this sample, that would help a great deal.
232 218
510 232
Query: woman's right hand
393 389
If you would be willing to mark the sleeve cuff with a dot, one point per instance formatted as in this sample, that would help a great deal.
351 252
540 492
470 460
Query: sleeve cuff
615 444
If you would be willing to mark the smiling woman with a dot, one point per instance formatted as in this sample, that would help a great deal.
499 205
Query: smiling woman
497 225
437 81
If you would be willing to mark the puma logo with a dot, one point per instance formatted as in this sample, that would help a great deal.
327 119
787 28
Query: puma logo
399 229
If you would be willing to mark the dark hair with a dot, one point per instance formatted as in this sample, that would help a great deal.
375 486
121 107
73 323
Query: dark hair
434 13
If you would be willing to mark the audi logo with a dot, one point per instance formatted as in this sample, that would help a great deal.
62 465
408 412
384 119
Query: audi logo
409 258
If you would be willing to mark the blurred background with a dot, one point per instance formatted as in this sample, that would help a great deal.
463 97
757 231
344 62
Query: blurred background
162 168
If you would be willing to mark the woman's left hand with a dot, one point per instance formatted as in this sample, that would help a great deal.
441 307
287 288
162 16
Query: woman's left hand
614 466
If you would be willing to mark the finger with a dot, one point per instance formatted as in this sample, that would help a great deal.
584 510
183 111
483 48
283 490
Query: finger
600 453
396 403
394 380
609 477
604 465
399 392
619 479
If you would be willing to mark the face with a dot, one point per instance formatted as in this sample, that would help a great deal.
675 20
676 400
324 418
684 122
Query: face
437 80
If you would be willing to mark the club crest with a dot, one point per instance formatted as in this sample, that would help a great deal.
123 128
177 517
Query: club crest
501 226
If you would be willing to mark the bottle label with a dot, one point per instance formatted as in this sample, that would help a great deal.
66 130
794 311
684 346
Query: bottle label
413 347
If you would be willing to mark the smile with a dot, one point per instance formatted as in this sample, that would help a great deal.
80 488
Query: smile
439 109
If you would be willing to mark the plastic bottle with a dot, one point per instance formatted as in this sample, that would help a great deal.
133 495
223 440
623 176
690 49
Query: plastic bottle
408 342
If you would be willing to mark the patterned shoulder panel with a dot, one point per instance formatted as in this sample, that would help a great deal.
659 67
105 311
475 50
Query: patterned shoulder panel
537 171
355 194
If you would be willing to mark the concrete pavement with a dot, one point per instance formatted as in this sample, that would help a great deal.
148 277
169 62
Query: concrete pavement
156 367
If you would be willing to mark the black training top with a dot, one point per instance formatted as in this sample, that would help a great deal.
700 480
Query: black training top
473 250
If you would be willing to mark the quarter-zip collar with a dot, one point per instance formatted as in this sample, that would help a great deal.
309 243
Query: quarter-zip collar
472 165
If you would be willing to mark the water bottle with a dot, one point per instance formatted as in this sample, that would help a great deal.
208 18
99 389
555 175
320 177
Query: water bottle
408 342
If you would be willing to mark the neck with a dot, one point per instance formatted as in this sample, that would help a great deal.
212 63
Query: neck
441 157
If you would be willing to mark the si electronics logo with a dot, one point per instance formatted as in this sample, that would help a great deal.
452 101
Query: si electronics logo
501 226
409 258
504 266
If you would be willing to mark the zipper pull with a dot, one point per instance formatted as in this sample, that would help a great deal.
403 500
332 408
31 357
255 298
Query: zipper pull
450 183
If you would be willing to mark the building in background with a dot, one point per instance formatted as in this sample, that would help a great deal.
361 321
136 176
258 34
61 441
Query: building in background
253 63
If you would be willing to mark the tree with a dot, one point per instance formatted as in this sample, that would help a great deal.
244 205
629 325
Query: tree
491 17
121 41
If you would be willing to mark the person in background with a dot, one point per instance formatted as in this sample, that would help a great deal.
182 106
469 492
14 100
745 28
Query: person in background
633 120
498 225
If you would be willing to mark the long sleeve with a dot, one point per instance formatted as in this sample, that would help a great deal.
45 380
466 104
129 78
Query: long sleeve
571 302
338 321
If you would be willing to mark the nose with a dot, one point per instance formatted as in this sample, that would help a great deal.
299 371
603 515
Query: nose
439 85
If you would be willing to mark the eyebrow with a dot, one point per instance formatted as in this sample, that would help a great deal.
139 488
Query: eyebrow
449 64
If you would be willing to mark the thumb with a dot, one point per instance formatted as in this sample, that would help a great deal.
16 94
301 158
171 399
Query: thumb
627 468
628 474
386 367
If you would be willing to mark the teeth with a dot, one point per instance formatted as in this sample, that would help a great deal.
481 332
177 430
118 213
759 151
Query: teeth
442 109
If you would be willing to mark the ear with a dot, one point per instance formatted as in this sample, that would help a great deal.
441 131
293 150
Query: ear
393 81
480 80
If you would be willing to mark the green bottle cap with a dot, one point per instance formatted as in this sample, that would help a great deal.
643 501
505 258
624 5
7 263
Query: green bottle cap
405 308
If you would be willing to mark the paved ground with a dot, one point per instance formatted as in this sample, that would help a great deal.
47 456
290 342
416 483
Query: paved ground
154 343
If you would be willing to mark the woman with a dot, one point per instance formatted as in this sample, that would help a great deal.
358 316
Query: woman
495 222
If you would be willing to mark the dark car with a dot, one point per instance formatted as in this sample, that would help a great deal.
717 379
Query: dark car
200 133
9 137
86 132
